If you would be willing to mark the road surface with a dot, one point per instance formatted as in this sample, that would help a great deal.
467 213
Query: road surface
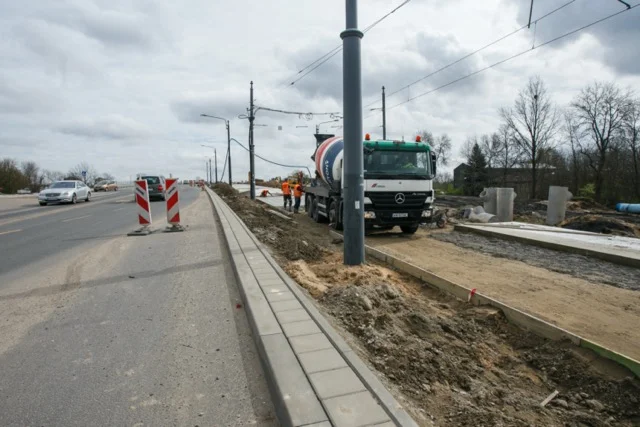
101 329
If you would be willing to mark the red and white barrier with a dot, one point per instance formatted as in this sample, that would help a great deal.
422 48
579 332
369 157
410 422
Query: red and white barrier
142 200
173 202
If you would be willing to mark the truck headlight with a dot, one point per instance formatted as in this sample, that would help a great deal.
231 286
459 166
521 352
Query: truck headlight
369 215
426 214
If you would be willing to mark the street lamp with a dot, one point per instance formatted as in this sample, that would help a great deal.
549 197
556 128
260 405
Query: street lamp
226 122
215 159
328 121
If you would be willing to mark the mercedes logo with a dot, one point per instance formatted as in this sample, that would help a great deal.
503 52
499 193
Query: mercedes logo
399 198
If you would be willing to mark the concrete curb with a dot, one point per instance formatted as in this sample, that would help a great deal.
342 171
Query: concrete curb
515 316
303 359
606 256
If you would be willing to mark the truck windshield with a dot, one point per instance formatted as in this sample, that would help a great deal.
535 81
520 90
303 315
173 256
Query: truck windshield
397 164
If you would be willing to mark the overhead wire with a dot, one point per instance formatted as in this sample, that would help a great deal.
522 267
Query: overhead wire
333 52
498 40
270 161
510 58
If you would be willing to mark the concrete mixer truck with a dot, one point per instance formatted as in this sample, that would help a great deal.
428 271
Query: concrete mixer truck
398 184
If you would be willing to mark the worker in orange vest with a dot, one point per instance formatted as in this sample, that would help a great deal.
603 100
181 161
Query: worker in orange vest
297 194
286 194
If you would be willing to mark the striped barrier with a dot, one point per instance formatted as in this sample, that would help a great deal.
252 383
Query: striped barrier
141 192
142 200
173 205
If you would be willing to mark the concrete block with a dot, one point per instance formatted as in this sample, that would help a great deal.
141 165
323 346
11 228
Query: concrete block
388 424
280 296
355 410
306 327
321 360
286 305
323 424
292 316
295 400
269 279
307 343
337 382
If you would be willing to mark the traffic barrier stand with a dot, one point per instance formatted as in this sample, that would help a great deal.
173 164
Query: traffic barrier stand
141 192
173 206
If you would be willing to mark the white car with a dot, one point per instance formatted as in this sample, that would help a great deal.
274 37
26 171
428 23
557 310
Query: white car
65 191
24 191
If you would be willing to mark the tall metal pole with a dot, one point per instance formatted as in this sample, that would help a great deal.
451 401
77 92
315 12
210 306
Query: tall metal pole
215 162
210 176
206 170
384 115
353 185
229 150
252 172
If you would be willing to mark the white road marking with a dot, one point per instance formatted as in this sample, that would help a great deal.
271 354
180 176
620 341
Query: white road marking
9 232
78 217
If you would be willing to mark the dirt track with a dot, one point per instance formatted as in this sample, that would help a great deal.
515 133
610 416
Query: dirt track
451 364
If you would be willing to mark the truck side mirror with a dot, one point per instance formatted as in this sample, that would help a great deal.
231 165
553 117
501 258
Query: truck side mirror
433 163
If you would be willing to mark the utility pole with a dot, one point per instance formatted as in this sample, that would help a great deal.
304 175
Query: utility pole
229 150
384 115
215 162
206 170
252 172
353 209
210 176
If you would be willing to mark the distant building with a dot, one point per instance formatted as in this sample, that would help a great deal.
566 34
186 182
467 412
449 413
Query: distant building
518 178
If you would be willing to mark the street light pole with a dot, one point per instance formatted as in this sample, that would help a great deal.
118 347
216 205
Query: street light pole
252 176
215 162
353 210
227 124
210 177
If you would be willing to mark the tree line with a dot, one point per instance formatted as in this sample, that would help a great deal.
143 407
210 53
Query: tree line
591 145
16 176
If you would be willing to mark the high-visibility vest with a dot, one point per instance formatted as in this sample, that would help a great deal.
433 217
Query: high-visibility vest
286 190
297 191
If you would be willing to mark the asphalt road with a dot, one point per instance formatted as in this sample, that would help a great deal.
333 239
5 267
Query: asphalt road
101 329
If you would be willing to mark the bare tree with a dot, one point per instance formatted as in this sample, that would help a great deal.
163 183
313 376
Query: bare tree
631 128
601 110
76 173
490 148
31 172
441 146
52 176
534 123
509 151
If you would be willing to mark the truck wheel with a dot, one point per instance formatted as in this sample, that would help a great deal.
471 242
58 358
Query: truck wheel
409 229
334 219
314 210
307 206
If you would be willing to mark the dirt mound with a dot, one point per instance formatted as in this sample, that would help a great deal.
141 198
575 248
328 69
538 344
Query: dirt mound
469 367
225 190
286 237
601 224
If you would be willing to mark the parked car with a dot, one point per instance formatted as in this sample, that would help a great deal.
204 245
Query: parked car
24 191
157 186
65 191
106 186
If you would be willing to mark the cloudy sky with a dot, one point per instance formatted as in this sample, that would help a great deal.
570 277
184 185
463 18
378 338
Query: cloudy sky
121 84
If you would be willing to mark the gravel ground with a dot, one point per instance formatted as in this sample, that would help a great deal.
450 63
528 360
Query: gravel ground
579 266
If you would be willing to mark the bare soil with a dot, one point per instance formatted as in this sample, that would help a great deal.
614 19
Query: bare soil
454 364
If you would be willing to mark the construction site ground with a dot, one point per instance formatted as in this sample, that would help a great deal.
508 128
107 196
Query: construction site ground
452 363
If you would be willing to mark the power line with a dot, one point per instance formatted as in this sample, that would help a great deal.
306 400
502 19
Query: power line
270 161
333 52
473 53
511 57
300 114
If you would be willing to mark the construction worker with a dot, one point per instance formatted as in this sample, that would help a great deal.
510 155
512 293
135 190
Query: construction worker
265 193
297 194
286 194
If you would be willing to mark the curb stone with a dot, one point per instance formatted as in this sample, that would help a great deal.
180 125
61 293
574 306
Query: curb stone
362 397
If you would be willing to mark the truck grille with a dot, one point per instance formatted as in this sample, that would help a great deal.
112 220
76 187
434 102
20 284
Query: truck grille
387 200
